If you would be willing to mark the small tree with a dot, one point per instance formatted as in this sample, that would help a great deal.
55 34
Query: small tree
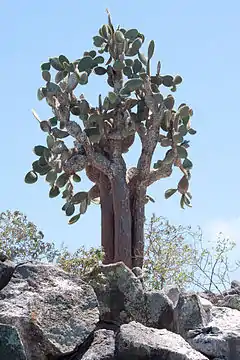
80 261
20 239
211 266
102 134
168 256
178 255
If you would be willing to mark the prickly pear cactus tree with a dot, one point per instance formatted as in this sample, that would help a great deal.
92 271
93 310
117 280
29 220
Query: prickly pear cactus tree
134 106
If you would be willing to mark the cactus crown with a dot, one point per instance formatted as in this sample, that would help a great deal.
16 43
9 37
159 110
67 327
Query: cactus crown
118 57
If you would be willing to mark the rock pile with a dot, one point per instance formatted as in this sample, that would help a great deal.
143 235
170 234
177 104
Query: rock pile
47 314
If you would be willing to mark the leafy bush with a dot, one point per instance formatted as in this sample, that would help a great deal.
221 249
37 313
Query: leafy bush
178 255
20 239
81 261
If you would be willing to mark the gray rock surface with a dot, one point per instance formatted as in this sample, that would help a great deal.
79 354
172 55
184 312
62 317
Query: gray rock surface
235 284
119 292
172 293
206 304
47 314
52 310
221 338
122 299
11 346
102 347
136 342
189 314
159 310
231 301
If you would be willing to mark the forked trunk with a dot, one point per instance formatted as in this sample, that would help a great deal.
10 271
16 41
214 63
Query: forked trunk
122 221
123 218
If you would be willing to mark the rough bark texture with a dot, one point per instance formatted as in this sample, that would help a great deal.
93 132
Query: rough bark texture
138 219
122 221
107 219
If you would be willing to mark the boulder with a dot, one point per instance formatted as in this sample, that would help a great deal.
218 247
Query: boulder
119 292
172 293
122 299
189 314
102 347
235 284
158 310
231 301
206 304
52 311
221 338
47 314
137 342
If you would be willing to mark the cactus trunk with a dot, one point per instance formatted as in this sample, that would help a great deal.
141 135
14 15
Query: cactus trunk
122 221
138 220
107 220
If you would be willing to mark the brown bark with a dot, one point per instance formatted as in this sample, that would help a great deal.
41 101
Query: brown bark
122 221
107 219
138 220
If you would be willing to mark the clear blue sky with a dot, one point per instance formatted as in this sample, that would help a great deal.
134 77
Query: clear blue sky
197 39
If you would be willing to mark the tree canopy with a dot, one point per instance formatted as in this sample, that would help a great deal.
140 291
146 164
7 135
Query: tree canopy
102 134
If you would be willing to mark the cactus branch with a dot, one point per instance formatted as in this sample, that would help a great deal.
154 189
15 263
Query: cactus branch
164 171
150 139
96 159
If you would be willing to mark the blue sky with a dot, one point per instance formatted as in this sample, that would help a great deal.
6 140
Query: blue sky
197 39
